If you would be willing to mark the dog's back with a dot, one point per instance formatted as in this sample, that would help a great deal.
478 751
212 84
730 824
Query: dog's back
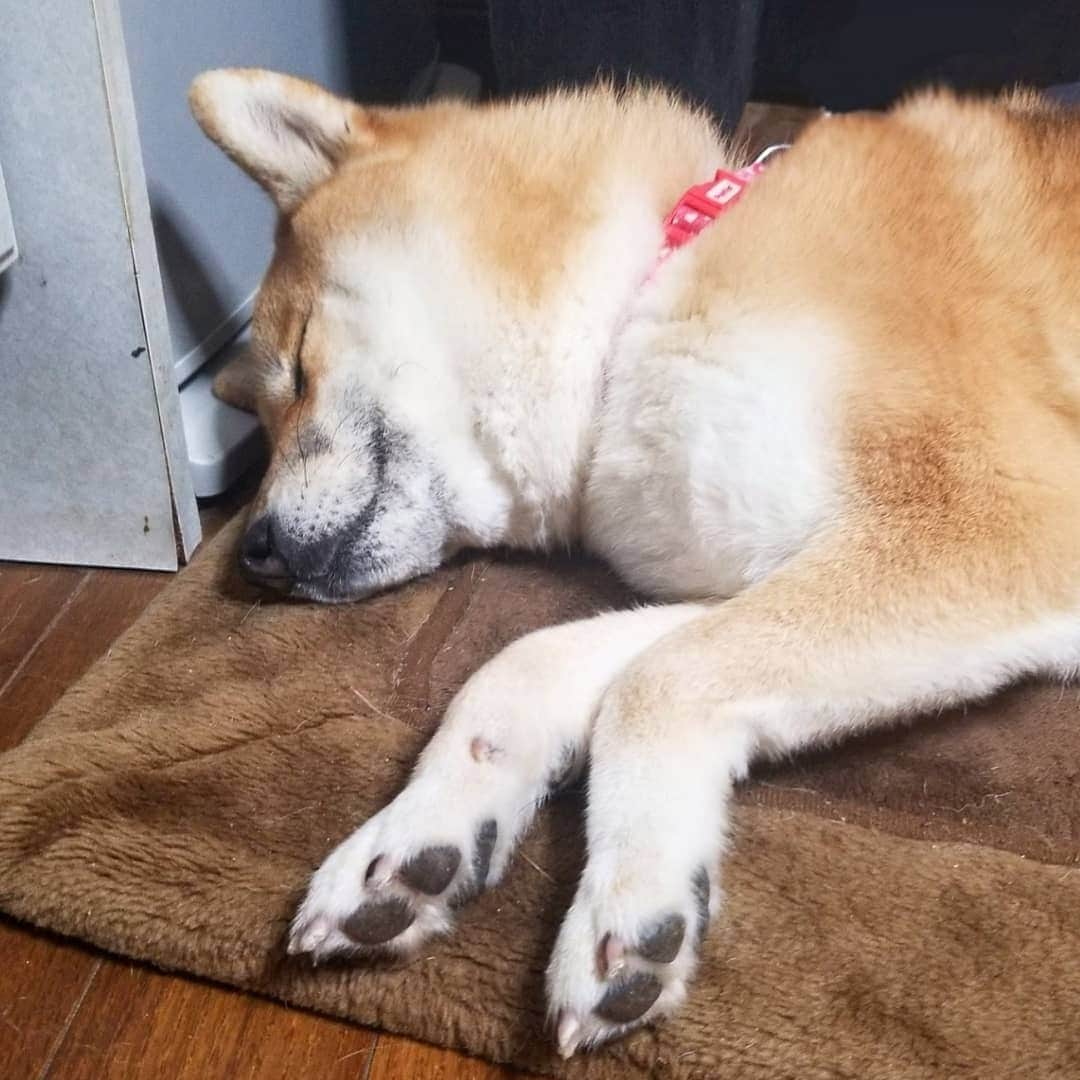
886 328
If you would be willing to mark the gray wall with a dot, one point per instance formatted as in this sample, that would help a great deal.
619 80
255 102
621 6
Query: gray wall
214 227
83 470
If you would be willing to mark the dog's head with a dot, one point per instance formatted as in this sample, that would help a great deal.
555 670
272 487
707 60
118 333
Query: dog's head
376 473
429 339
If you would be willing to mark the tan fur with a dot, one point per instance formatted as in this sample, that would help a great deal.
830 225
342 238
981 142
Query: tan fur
943 236
851 409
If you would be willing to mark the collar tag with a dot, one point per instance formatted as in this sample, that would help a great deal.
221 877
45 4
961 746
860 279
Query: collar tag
704 203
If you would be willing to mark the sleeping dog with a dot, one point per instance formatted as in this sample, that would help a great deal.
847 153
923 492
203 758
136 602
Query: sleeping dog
834 436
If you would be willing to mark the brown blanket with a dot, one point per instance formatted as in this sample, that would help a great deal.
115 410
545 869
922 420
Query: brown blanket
906 906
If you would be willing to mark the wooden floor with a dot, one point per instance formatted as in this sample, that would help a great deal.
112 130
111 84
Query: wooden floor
69 1011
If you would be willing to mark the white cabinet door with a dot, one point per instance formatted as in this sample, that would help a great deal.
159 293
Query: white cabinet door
8 250
93 467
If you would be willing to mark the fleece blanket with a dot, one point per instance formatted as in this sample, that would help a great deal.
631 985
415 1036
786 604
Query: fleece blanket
905 906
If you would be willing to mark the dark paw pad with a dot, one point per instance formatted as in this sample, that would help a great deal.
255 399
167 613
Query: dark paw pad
661 944
431 870
379 921
484 846
629 999
701 900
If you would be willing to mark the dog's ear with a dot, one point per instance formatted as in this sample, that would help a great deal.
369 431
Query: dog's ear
239 382
286 133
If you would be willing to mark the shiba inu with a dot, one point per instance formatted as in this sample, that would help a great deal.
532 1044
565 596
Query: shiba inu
835 439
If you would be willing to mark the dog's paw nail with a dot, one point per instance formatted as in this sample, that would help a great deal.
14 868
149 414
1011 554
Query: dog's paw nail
629 998
662 943
379 921
308 938
568 1034
430 871
612 956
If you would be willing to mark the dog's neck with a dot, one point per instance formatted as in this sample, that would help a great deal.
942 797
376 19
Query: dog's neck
540 389
575 230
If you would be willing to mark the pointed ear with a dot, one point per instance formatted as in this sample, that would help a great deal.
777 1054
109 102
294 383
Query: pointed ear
287 134
239 382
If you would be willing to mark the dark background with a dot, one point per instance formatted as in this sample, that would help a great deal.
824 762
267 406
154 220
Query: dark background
854 54
841 54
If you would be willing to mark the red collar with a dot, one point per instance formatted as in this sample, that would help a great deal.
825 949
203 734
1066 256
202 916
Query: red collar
699 207
702 204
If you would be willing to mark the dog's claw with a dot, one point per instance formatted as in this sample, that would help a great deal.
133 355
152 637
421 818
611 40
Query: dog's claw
308 938
568 1035
612 954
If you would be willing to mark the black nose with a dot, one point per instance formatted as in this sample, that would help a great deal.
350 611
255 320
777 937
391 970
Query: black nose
261 560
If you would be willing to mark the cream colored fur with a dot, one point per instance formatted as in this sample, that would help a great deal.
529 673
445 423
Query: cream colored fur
842 428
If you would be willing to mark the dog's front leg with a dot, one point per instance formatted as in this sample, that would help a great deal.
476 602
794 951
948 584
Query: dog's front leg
517 730
833 643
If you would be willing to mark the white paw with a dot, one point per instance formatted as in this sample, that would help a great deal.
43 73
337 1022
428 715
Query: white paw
394 883
623 958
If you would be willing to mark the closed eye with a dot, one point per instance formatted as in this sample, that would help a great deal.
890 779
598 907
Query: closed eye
299 380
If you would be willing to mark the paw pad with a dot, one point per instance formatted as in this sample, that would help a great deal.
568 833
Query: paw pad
662 943
379 921
484 845
702 889
431 870
629 998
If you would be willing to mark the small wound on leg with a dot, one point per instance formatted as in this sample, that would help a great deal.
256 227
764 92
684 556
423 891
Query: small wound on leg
482 750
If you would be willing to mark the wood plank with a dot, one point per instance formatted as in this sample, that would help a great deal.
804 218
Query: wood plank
138 1023
397 1058
100 606
31 596
103 608
55 621
44 981
58 621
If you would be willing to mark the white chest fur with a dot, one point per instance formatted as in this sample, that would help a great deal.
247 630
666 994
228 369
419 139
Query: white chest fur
715 460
